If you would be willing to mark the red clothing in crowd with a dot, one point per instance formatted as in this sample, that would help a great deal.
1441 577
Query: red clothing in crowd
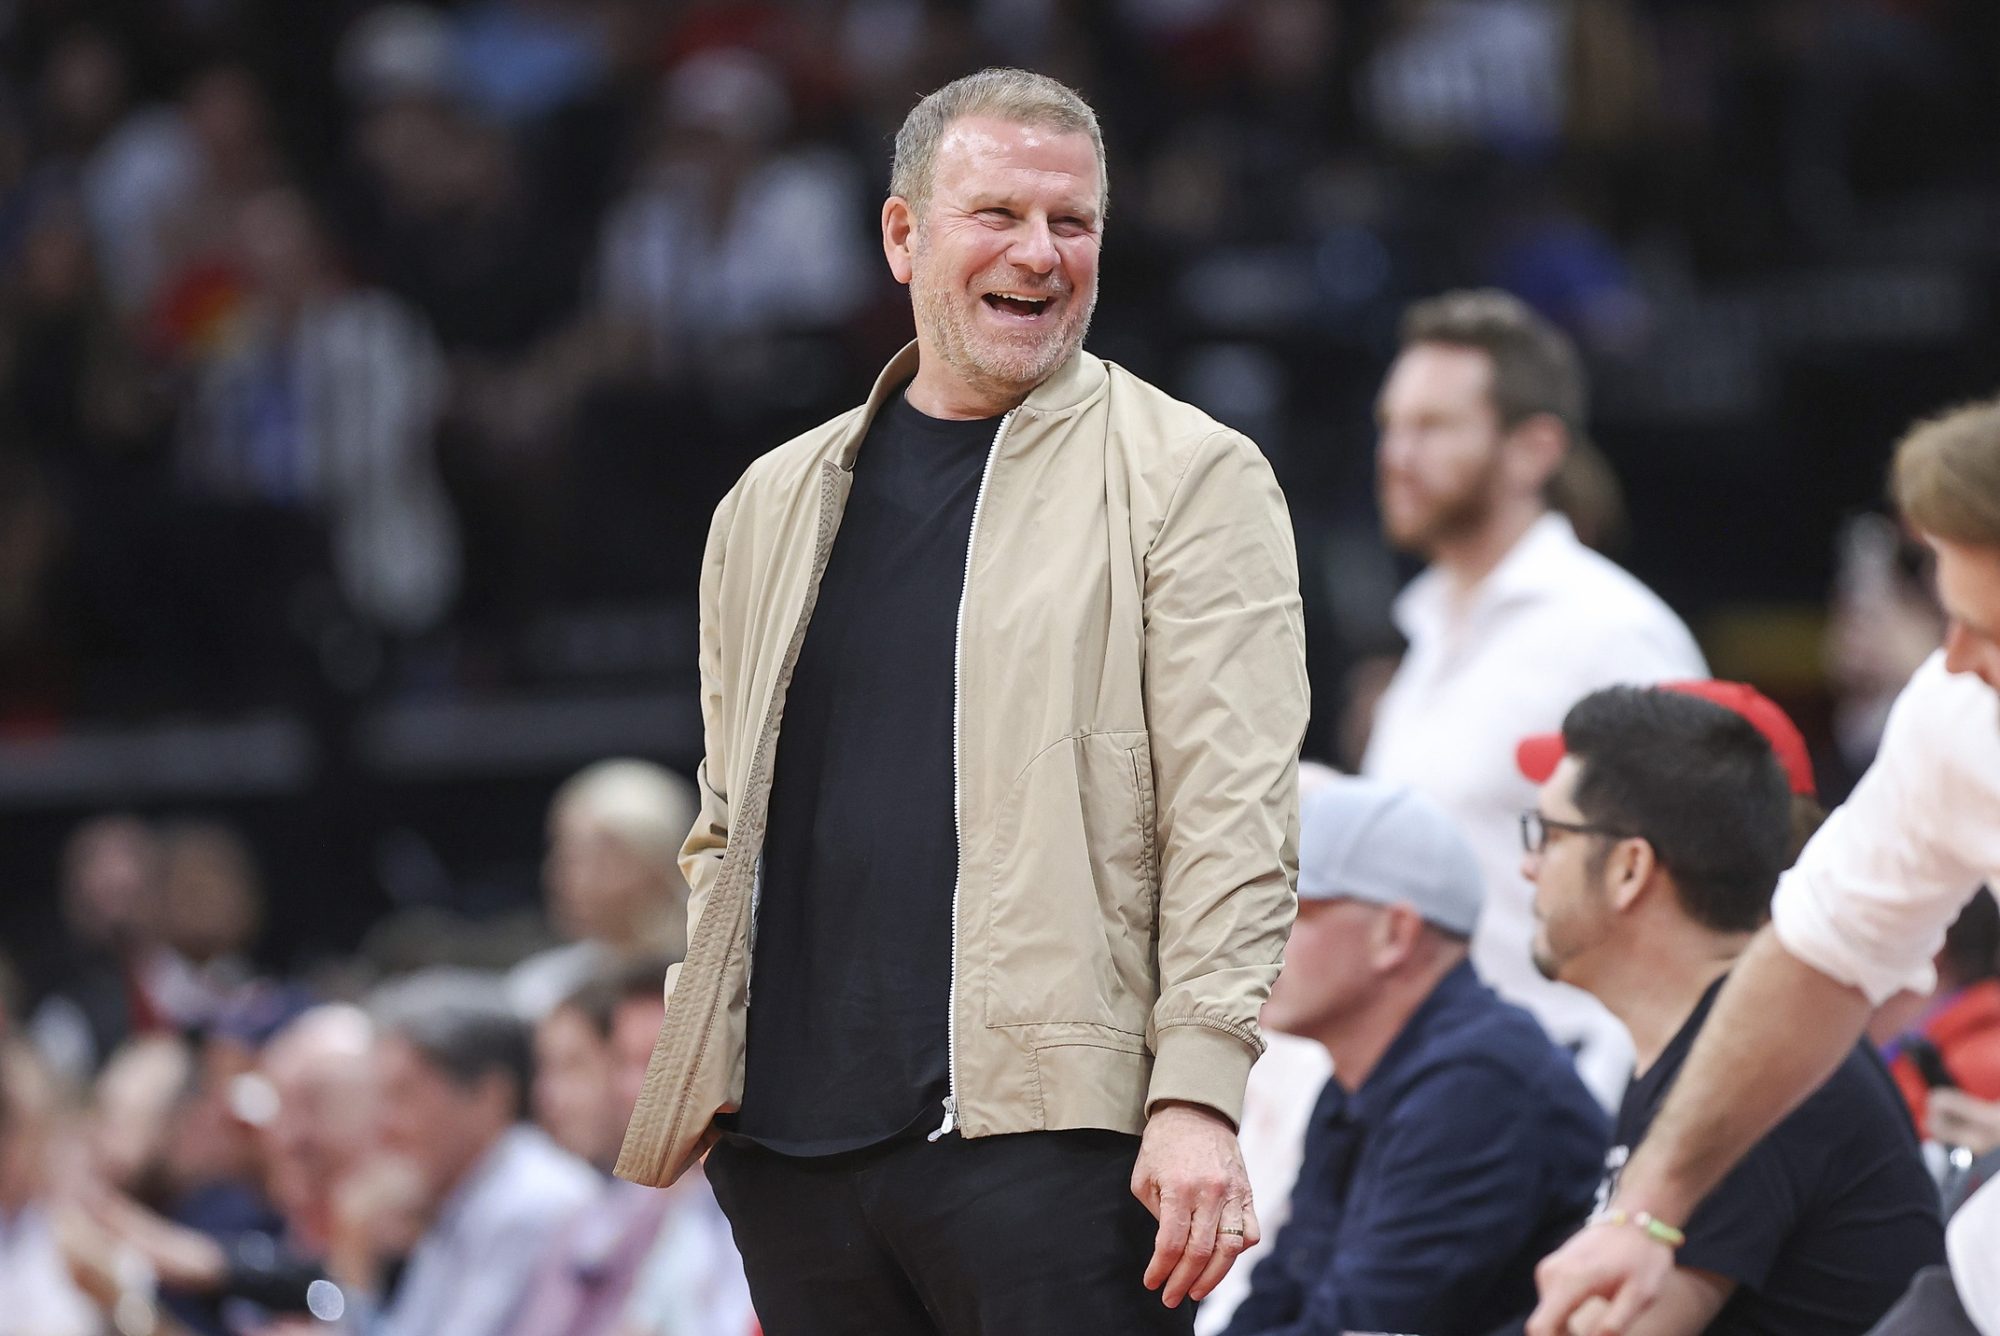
1965 1027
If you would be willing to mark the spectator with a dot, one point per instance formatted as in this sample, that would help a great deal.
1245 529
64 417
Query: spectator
612 876
1658 837
1514 619
134 166
1956 1031
110 895
40 1299
1883 622
1284 1086
725 234
575 1098
211 908
321 1118
226 159
325 402
692 1282
313 1104
642 1262
132 1108
1454 1145
461 1186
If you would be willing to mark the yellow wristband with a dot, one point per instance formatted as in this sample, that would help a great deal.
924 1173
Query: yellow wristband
1647 1223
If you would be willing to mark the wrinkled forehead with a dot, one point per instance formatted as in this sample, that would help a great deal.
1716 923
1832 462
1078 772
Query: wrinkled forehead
990 154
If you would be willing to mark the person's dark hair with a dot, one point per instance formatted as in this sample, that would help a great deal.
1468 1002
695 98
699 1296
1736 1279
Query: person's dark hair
595 999
461 1023
1807 817
641 976
598 997
1972 946
1535 366
1695 780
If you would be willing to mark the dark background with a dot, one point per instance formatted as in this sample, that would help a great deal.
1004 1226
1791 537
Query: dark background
614 249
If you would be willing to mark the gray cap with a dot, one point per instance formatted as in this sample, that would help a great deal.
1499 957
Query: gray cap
1362 839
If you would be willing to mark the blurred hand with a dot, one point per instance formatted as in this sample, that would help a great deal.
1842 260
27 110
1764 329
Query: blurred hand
1958 1119
89 1253
379 1211
1190 1175
1616 1264
182 1258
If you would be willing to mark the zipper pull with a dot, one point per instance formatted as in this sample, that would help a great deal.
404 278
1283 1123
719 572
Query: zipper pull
950 1123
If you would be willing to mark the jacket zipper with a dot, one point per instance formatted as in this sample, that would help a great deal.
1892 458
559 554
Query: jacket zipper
950 1123
756 903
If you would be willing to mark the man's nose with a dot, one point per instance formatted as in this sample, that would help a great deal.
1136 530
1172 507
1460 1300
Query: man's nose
1035 247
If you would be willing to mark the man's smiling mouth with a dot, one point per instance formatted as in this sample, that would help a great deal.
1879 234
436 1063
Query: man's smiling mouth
1017 304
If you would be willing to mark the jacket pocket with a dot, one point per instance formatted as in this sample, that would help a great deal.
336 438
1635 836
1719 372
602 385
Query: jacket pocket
1072 901
1097 1082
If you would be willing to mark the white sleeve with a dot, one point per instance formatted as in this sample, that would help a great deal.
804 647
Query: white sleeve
1972 1241
1872 894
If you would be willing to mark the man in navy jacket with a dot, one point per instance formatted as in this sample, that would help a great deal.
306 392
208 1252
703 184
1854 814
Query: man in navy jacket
1455 1145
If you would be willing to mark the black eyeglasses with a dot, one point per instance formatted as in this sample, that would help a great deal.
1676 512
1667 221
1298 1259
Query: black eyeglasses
1535 830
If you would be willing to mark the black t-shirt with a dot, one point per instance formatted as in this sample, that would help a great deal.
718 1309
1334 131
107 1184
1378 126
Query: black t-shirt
1825 1221
850 979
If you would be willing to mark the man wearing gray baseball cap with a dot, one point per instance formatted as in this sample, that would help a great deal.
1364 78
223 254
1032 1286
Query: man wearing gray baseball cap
1455 1145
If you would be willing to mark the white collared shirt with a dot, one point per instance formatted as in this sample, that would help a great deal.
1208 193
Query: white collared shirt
1553 622
1871 896
472 1266
1972 1242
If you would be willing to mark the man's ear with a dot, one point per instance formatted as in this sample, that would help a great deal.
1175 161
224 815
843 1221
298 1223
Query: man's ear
1535 450
898 236
1396 931
1629 871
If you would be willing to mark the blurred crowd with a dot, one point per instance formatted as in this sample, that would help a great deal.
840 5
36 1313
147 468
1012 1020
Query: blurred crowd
408 1144
342 344
339 348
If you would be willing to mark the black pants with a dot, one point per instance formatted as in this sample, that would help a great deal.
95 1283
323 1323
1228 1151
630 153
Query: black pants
1029 1235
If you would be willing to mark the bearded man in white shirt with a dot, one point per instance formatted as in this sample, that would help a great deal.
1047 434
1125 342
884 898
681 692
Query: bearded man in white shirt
1514 620
1856 920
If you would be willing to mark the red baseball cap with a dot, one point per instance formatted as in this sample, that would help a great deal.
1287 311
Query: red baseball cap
1537 756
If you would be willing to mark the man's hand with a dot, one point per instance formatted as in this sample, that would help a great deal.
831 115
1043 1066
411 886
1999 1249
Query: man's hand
183 1258
1615 1263
1958 1119
1190 1175
380 1210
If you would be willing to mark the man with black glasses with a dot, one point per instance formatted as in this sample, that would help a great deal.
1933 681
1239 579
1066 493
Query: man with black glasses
1662 824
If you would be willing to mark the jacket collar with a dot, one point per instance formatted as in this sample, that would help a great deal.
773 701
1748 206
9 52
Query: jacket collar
1383 1086
1068 387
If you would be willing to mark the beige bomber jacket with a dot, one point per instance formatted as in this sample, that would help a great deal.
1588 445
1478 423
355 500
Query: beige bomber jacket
1131 699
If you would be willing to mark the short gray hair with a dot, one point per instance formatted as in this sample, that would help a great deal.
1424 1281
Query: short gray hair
460 1022
1020 96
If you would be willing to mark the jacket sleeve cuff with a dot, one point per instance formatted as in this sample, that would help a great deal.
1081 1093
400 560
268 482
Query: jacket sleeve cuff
1200 1064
